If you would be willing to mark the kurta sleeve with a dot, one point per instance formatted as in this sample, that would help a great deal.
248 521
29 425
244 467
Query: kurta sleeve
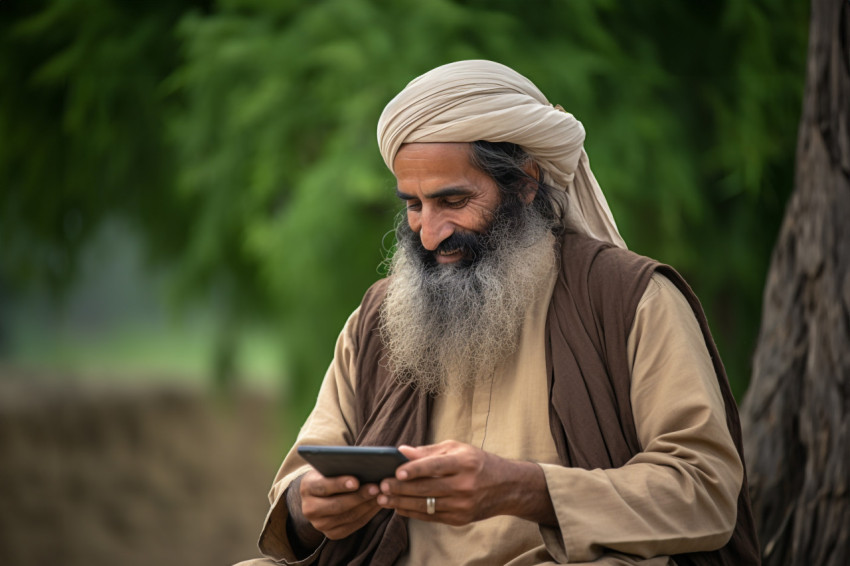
679 493
330 423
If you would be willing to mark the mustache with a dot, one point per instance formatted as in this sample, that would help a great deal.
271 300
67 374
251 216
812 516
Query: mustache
507 219
471 244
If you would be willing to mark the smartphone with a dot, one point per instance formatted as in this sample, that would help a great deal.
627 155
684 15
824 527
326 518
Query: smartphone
369 464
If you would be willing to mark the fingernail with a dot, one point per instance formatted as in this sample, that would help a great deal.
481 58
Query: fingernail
349 484
373 490
383 499
402 474
385 487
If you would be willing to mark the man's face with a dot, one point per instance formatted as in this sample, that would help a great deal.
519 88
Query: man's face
445 196
470 259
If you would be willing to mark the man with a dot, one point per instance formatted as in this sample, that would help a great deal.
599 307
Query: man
560 399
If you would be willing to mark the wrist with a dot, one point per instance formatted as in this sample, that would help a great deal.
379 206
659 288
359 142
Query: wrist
303 537
528 494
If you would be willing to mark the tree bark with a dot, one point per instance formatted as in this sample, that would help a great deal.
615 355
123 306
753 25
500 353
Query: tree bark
796 414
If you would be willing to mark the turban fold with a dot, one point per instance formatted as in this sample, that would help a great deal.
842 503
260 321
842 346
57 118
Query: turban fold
469 101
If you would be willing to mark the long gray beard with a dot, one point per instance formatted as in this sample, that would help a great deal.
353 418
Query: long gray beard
446 327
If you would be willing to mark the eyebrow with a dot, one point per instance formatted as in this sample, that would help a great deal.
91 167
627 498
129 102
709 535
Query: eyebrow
447 192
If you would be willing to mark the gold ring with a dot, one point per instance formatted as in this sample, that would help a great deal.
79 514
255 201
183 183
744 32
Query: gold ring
430 505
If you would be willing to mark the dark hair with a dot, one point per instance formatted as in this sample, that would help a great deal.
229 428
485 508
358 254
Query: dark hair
506 164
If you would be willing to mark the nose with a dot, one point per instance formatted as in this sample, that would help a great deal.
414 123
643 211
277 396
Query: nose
432 228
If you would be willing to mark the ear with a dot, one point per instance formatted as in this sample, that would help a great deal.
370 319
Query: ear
533 171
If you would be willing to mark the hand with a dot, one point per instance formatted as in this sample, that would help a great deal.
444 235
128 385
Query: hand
337 506
468 483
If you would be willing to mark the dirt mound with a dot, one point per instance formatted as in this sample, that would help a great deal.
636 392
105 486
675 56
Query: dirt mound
94 475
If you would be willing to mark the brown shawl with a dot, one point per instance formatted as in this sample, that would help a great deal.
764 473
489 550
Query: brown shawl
589 319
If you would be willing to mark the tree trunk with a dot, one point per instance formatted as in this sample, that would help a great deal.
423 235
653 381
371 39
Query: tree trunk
796 414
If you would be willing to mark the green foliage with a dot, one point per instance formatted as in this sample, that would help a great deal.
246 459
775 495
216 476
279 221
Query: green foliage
241 138
279 154
691 112
80 124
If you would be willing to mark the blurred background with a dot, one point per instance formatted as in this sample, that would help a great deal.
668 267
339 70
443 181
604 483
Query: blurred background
192 202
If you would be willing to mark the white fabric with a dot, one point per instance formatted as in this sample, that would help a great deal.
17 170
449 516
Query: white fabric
476 100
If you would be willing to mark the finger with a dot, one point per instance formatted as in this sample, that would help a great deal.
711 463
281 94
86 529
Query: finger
342 530
431 466
342 508
317 485
404 503
421 487
446 510
341 524
416 452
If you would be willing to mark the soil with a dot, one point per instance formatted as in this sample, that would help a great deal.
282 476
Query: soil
144 475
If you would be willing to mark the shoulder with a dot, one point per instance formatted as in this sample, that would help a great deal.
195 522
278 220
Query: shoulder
661 289
663 302
601 261
602 276
375 293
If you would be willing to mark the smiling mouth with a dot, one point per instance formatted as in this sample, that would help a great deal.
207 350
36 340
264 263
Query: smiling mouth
448 256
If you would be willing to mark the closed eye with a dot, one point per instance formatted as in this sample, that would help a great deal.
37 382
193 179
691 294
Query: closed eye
451 197
456 203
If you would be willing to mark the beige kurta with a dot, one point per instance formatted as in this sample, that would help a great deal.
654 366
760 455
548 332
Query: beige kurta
677 495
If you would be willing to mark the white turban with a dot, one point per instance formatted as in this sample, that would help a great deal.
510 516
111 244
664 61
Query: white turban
469 101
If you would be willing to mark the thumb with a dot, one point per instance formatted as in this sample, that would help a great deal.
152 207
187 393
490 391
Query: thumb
417 452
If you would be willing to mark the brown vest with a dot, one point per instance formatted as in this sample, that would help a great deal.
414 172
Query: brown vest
588 323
